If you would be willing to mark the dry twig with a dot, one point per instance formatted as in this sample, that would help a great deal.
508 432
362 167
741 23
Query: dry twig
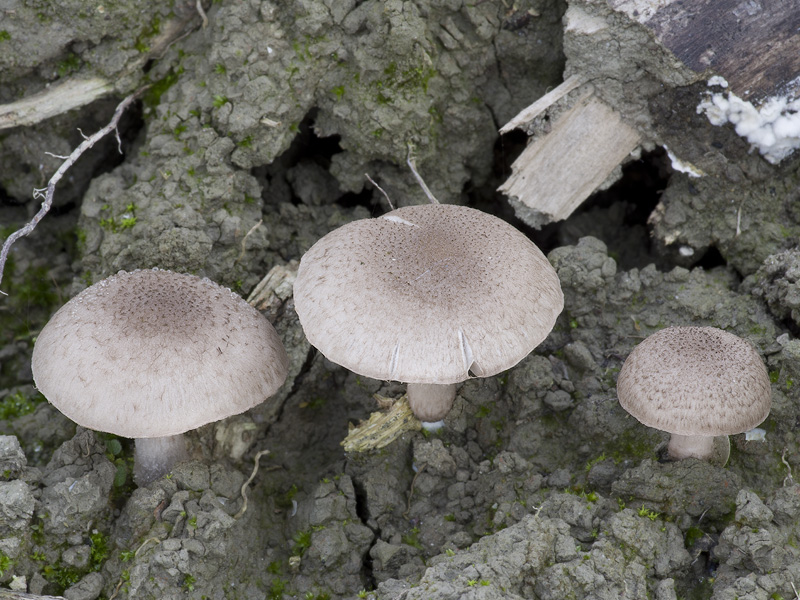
380 189
412 165
46 194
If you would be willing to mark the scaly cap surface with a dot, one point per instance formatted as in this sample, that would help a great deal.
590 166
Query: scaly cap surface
152 353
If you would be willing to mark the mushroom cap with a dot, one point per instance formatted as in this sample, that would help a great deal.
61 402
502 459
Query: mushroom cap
695 381
427 294
152 353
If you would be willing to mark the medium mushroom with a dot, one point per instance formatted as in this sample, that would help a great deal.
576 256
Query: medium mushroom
150 354
697 383
429 295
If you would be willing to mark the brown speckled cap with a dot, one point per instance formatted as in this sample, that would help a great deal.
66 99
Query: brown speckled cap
153 353
695 381
427 294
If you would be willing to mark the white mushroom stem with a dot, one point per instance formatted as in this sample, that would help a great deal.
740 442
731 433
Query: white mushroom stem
154 457
691 446
430 402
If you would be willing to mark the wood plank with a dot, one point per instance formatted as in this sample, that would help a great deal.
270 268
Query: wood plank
557 172
528 114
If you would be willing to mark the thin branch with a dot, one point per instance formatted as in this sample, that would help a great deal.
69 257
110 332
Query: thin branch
199 7
380 189
46 194
247 235
420 181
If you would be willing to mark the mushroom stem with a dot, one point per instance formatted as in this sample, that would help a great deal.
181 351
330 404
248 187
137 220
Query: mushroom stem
430 402
154 457
691 446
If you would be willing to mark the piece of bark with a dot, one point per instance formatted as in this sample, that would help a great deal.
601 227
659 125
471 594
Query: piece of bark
753 44
58 98
558 171
274 290
12 595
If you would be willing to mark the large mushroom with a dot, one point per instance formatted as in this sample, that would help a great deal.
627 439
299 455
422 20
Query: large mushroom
700 384
150 354
429 295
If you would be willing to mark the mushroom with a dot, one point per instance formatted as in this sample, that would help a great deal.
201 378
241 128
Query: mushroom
150 354
698 384
429 295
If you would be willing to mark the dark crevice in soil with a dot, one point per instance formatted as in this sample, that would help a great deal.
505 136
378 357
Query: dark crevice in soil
363 514
298 380
62 209
712 259
310 149
793 328
625 206
130 127
6 199
619 215
486 198
363 198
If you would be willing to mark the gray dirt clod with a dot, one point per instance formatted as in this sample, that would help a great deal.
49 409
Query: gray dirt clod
665 590
657 544
625 556
696 214
498 562
785 504
178 538
12 457
330 548
88 588
77 482
16 513
777 281
686 488
756 557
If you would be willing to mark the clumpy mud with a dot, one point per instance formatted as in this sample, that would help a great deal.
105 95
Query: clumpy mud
252 144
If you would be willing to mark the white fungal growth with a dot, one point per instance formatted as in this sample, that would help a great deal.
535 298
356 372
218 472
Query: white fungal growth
683 166
432 426
755 435
717 80
773 128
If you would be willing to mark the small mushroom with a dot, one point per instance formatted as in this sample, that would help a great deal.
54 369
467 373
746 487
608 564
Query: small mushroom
697 383
150 354
429 295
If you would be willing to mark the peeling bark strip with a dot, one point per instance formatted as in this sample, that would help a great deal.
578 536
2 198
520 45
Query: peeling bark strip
754 44
55 100
63 96
14 595
557 172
